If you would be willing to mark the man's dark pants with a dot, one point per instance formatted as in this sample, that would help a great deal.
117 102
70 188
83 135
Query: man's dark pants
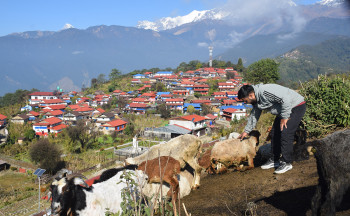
282 141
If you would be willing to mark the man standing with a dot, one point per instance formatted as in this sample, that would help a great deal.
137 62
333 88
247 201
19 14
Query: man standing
289 108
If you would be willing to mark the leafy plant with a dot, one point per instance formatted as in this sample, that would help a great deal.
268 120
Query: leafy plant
328 100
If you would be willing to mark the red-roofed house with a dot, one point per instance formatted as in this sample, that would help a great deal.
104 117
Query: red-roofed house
188 74
230 113
232 94
117 125
54 113
136 81
180 91
187 84
140 100
3 120
139 108
226 86
61 107
150 96
33 115
117 92
36 97
175 103
50 102
220 95
49 125
193 122
229 102
202 89
84 110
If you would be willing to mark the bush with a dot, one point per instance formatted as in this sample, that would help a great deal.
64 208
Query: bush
328 100
46 154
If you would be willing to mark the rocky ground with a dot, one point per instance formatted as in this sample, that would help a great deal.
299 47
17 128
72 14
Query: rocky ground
239 193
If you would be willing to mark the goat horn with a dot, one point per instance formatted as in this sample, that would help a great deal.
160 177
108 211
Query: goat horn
49 196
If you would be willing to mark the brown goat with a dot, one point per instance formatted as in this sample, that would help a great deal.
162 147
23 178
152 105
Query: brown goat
168 170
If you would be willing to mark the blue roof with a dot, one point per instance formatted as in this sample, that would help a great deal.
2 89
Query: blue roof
138 75
160 93
245 106
193 104
164 72
130 92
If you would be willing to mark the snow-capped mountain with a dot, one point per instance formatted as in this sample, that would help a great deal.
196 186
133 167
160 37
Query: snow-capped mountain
331 3
172 22
229 12
67 26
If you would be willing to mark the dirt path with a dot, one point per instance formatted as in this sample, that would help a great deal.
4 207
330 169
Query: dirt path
286 194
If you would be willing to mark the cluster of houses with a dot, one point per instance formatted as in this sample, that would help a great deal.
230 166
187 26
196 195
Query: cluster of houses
51 112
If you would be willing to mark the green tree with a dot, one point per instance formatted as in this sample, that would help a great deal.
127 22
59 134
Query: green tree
158 87
199 65
81 137
129 130
191 109
239 66
29 134
230 75
197 94
263 71
163 110
46 154
94 83
206 109
115 73
101 78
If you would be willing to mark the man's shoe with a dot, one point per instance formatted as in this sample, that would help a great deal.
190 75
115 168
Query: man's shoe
270 164
284 167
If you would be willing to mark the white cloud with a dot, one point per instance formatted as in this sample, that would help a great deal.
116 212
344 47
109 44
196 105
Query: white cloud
275 12
77 52
12 81
202 44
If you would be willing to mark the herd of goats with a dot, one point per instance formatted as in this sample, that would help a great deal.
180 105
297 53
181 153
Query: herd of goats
176 167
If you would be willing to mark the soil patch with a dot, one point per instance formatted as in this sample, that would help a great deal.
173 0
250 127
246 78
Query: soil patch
235 193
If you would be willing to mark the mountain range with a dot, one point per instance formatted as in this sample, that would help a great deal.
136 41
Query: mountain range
72 57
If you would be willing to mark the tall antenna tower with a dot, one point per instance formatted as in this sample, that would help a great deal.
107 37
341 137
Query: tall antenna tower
210 56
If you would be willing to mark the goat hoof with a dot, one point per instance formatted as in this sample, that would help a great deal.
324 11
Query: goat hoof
195 187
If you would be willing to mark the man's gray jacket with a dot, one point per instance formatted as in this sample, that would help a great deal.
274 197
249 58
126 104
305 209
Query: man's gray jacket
277 99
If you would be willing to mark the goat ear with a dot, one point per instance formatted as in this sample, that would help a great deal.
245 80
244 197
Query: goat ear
80 181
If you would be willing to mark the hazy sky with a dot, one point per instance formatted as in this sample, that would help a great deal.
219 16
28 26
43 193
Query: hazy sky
52 15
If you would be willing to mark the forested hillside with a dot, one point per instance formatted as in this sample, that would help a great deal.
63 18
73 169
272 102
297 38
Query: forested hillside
307 62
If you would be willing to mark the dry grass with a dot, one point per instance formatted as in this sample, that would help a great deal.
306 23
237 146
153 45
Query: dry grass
16 186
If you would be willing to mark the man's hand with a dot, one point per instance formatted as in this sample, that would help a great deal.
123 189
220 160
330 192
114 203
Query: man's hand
283 123
241 137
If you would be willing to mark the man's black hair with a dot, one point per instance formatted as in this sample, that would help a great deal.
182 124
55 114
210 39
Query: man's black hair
245 91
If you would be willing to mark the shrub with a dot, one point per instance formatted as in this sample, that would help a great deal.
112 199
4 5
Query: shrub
46 154
328 100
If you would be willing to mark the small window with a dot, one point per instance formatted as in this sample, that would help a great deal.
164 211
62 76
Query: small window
118 128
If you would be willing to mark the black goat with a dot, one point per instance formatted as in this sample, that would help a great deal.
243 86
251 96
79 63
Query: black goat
333 167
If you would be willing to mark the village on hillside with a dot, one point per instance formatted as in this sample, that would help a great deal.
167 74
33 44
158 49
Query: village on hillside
52 112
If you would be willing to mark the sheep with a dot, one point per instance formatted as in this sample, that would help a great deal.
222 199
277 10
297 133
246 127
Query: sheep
183 148
333 167
69 197
234 151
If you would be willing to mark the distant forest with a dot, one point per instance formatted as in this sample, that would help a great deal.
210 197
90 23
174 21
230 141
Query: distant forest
307 62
